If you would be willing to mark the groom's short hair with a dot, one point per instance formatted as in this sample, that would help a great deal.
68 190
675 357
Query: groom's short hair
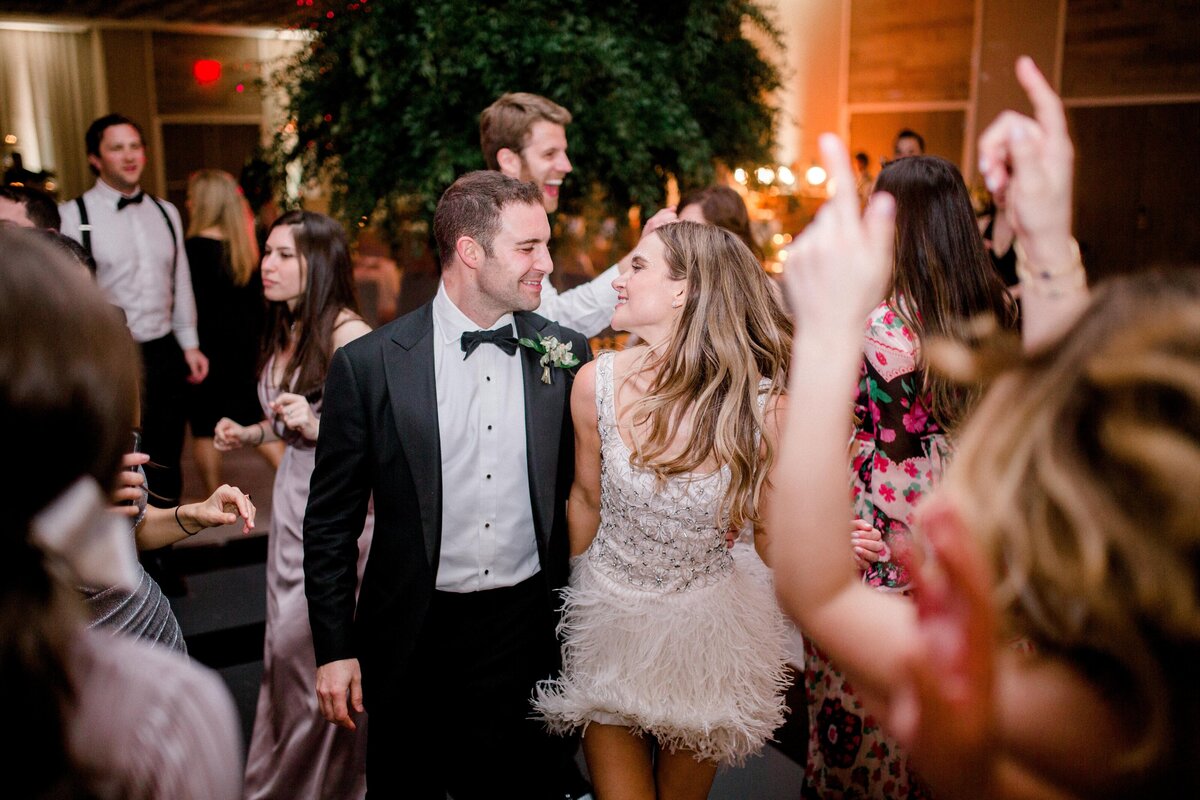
472 207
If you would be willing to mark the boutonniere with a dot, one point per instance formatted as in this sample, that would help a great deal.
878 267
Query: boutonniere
554 354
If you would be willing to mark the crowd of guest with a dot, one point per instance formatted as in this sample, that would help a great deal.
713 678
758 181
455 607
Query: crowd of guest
495 548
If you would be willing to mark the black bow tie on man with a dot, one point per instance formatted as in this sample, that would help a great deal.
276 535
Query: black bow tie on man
129 201
499 337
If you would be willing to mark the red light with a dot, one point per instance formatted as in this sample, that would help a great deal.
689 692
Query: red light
206 71
241 87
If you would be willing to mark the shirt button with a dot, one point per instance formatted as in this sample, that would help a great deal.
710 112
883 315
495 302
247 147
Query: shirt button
489 477
487 572
489 427
487 524
489 377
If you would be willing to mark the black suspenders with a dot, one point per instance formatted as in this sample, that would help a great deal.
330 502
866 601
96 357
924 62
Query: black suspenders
85 229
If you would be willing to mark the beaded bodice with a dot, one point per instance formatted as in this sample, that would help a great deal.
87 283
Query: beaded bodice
659 536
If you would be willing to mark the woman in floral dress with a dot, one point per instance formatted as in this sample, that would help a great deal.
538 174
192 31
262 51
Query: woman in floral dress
942 278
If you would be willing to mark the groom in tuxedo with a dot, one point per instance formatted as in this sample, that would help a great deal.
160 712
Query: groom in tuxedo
465 442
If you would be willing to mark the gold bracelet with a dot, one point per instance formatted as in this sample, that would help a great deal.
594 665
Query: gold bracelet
1051 283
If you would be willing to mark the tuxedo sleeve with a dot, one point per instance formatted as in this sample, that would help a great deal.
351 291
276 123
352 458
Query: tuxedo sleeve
337 508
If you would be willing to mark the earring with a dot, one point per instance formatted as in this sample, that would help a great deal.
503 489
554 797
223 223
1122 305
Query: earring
677 304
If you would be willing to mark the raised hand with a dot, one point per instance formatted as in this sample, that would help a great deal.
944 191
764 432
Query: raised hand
944 710
841 264
1033 161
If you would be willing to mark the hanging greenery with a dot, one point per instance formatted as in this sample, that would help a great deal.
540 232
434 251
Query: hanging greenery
385 102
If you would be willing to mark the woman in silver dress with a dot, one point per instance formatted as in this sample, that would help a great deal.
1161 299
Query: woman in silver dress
673 656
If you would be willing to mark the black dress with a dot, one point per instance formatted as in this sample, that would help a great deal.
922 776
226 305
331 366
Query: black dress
1005 263
229 321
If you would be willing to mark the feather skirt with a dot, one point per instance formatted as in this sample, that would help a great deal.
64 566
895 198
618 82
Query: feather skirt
701 669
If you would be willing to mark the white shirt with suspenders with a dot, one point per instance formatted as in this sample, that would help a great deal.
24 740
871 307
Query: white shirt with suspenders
140 259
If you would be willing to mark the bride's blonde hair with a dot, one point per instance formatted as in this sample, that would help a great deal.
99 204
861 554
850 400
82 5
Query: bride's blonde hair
1080 471
731 333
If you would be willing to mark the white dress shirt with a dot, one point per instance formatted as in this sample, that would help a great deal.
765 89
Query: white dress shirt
488 537
587 308
135 259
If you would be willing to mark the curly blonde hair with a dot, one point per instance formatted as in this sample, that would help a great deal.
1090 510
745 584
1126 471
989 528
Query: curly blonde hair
1080 470
732 333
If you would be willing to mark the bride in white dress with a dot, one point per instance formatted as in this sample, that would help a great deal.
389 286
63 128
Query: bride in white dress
673 655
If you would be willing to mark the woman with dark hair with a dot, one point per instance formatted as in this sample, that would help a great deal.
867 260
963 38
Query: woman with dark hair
307 279
723 207
941 278
100 715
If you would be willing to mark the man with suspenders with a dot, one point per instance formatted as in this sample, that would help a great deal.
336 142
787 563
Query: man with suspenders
136 240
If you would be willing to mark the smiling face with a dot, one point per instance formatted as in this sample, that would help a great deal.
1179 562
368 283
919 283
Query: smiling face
284 272
543 161
649 300
510 279
121 158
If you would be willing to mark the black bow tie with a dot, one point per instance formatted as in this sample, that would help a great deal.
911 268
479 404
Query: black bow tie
498 337
128 201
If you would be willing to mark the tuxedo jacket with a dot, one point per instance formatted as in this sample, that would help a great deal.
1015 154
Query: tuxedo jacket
380 437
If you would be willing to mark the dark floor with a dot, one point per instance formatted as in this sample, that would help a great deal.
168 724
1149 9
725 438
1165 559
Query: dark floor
220 599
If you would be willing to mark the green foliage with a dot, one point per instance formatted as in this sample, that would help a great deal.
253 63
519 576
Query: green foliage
386 101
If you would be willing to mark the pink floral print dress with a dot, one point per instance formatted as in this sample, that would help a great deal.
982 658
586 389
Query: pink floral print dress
897 455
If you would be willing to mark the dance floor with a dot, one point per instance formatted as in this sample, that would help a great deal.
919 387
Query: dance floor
217 586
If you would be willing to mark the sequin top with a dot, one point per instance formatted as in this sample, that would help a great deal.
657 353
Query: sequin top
659 536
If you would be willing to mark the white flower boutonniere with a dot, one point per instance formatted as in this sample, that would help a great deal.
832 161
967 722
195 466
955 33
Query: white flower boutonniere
554 354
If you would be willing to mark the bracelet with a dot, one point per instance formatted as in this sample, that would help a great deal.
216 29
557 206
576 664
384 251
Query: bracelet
262 434
1051 283
180 524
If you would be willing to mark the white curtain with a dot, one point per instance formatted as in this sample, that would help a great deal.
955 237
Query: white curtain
47 100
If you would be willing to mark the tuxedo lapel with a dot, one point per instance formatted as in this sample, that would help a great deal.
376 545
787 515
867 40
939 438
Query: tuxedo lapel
408 363
544 404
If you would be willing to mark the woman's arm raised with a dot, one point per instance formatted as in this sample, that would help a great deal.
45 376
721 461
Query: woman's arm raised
839 272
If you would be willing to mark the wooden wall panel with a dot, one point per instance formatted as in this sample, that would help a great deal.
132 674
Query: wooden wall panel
188 148
1136 203
904 52
130 91
1131 47
179 92
875 133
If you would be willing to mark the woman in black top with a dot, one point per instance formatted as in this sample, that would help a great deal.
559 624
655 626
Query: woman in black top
229 307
